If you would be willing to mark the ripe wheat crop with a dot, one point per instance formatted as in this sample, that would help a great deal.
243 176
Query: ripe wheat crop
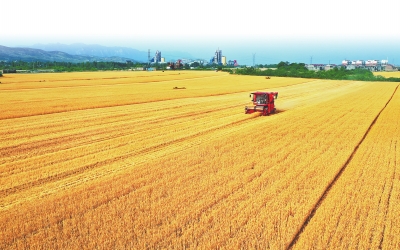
361 211
125 160
388 74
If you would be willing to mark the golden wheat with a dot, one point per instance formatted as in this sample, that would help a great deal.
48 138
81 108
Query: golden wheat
131 162
361 210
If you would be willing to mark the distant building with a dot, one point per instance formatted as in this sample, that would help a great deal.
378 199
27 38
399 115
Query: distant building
310 66
351 66
217 59
233 63
223 61
372 65
346 62
157 57
389 67
330 66
315 67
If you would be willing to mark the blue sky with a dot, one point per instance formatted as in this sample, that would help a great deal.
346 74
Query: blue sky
286 30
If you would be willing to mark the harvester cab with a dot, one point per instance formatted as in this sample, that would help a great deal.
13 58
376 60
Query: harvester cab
263 102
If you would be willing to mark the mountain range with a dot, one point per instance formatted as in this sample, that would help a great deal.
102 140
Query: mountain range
29 55
80 49
79 52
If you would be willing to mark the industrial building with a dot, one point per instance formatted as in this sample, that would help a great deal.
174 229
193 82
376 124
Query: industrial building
217 58
157 57
223 61
373 65
233 63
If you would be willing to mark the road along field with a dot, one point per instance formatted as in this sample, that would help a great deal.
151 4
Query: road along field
125 160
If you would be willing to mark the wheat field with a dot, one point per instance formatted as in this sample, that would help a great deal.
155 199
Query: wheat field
169 160
387 74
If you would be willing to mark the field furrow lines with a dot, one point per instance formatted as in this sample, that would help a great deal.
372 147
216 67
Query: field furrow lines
123 160
65 171
52 102
337 176
364 207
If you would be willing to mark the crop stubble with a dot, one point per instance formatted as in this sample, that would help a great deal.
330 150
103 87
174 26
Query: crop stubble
129 162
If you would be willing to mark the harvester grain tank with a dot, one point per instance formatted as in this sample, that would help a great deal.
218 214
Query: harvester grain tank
263 102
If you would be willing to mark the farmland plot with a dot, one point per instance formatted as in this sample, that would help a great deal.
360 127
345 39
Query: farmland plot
388 74
131 162
361 210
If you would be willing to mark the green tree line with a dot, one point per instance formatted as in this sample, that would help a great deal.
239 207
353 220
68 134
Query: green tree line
67 66
11 67
286 69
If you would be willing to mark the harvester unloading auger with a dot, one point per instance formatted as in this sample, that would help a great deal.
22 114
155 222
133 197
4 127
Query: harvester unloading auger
263 102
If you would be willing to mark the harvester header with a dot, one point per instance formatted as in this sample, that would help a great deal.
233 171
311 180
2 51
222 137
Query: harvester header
263 102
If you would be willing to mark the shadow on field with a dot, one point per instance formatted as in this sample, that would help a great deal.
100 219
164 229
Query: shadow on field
259 114
277 111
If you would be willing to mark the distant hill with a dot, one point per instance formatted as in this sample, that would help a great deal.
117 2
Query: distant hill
104 51
32 54
94 50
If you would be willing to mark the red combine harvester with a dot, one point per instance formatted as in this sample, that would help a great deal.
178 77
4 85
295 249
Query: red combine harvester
263 102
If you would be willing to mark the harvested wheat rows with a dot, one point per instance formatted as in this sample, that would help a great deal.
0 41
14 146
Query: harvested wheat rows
124 160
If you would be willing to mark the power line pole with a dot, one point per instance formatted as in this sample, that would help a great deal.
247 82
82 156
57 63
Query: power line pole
254 59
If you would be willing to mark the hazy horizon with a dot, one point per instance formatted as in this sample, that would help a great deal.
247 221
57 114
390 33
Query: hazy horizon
276 31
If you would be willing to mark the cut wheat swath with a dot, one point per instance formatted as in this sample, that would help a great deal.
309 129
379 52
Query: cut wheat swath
140 164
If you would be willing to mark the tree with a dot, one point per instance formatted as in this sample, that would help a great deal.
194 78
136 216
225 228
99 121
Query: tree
195 64
283 64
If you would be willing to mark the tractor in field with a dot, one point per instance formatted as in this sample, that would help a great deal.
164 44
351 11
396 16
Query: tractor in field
264 102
